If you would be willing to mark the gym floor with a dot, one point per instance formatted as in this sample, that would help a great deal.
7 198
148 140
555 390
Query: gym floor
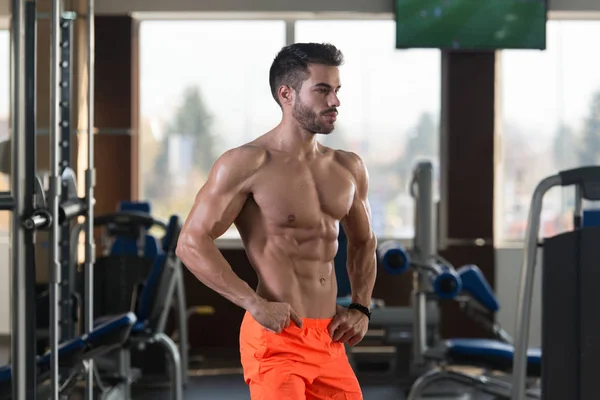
221 378
232 387
228 383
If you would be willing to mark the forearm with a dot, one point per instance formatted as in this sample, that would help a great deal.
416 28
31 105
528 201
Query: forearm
362 270
205 261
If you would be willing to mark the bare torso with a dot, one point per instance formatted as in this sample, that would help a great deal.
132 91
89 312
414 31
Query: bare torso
289 227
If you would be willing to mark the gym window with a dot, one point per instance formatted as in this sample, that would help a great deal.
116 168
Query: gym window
202 91
389 115
550 113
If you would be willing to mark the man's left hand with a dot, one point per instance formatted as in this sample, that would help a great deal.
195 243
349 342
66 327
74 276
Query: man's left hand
348 326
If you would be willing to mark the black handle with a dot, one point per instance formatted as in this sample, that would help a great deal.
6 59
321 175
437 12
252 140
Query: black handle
129 218
578 176
588 178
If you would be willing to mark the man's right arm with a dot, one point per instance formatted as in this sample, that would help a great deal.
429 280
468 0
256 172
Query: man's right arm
215 208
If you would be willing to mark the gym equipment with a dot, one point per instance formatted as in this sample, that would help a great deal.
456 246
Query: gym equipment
590 218
73 355
120 257
570 323
147 286
27 215
389 325
394 260
152 308
123 237
71 206
436 278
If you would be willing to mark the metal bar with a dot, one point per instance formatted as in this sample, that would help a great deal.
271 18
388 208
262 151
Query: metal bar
38 221
90 178
67 211
578 212
68 328
486 384
425 250
525 293
21 365
97 131
7 202
29 194
54 197
173 354
183 322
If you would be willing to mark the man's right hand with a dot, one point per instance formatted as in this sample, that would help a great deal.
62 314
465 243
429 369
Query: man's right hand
274 316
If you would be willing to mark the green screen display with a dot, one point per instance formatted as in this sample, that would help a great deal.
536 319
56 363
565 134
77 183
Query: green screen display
471 24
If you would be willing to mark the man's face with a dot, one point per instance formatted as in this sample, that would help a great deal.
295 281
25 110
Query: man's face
316 103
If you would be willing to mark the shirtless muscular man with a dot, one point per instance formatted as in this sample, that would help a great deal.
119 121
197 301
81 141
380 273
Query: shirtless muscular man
287 194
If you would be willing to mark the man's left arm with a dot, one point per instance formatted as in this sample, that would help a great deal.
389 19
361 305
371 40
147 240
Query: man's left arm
351 325
362 244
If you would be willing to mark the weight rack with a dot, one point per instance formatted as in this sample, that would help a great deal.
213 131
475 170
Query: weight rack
32 208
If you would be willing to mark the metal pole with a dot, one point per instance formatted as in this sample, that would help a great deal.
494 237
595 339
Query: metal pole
29 195
54 198
20 363
425 250
525 293
67 328
578 212
89 185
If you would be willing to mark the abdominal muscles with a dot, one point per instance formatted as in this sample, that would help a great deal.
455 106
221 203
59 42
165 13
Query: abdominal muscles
294 264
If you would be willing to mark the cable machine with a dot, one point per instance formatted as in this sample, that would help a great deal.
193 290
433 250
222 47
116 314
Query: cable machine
35 207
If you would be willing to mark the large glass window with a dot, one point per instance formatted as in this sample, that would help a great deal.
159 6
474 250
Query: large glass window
550 122
204 89
389 113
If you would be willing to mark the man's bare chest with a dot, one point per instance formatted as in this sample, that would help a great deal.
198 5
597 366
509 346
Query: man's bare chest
299 195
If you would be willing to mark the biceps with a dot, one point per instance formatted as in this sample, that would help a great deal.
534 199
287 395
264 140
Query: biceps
213 213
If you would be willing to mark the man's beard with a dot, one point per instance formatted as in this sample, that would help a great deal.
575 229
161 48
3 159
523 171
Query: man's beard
309 120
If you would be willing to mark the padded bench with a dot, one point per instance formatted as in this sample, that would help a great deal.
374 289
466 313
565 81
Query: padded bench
105 337
484 353
109 335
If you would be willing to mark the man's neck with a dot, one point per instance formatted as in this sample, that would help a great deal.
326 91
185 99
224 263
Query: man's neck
295 140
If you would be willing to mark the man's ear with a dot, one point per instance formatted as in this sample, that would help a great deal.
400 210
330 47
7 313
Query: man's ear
285 94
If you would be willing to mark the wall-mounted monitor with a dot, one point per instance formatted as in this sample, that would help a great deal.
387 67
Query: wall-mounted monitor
471 24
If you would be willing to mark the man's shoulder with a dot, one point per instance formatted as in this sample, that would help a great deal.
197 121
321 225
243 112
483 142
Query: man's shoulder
248 156
238 165
351 161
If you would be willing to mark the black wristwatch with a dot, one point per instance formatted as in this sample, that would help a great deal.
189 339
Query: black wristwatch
361 308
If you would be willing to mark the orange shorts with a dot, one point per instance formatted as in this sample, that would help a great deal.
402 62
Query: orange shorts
296 363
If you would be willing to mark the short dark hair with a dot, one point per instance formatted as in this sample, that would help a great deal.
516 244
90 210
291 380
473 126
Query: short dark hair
290 66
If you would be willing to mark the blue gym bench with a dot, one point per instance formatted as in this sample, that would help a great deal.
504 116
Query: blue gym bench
468 286
73 355
490 355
